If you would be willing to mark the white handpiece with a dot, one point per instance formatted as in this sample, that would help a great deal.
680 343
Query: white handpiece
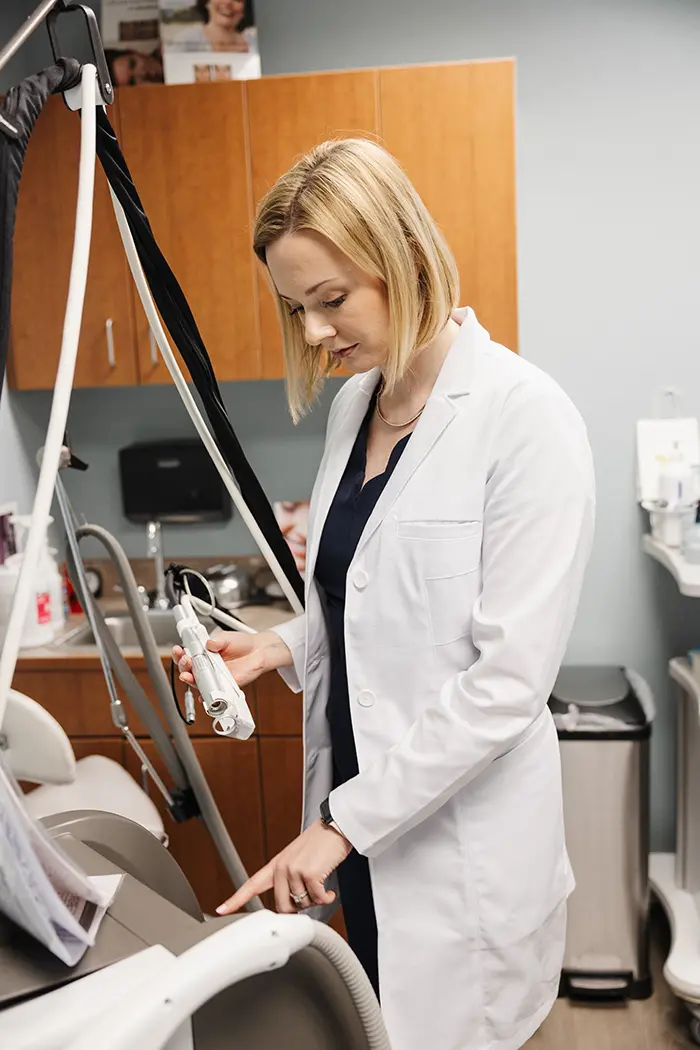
222 698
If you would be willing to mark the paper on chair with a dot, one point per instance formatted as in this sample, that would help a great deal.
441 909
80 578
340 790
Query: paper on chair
40 887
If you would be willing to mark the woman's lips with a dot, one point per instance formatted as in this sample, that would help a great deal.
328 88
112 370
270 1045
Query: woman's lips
345 352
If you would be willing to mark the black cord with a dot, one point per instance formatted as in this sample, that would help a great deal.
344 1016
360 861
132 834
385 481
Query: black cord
174 692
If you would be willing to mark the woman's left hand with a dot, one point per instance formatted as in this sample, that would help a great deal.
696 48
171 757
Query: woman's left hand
299 871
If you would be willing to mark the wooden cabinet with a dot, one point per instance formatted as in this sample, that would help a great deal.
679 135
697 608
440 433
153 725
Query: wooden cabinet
109 746
232 770
187 152
287 116
43 244
203 155
452 129
77 697
282 765
279 710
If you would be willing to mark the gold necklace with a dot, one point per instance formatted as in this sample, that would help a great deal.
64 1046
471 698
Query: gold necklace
396 426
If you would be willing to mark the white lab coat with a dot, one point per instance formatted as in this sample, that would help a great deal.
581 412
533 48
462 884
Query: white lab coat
460 600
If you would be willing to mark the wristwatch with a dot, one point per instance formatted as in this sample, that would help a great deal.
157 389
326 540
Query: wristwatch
327 816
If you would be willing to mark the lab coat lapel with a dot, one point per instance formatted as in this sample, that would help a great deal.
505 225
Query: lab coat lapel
338 453
452 382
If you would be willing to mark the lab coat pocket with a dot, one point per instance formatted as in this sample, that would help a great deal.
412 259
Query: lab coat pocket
444 555
521 981
437 529
450 601
515 827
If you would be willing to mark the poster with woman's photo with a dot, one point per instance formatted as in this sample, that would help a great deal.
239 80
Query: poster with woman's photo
131 37
205 40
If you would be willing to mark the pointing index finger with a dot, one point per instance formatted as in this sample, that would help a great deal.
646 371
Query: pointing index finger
256 884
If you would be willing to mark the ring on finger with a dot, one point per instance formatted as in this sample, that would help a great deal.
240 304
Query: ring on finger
299 898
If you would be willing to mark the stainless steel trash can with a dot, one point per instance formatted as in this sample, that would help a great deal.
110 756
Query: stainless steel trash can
603 718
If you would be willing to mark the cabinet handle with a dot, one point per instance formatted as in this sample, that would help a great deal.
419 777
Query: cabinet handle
110 342
154 348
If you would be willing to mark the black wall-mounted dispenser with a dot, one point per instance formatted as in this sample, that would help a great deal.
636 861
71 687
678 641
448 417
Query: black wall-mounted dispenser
174 482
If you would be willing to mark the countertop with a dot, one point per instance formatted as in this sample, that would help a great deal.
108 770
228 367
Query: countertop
260 617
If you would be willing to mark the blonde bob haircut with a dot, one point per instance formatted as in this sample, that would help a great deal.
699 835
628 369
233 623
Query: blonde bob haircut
356 195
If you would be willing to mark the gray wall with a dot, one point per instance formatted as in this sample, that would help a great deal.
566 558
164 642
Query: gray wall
609 267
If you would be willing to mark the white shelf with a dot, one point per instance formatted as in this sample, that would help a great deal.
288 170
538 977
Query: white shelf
681 673
687 576
682 969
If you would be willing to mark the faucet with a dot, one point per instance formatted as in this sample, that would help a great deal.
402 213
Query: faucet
155 551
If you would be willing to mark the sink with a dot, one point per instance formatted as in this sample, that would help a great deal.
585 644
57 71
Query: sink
122 630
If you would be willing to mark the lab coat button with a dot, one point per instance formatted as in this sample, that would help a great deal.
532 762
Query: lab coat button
366 698
360 579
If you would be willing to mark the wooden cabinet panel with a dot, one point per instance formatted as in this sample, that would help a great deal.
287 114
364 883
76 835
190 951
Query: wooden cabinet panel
187 152
79 700
281 763
279 710
76 699
232 770
452 128
42 254
287 116
111 747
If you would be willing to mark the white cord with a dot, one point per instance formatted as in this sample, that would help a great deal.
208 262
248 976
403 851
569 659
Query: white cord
193 572
62 390
192 409
221 617
209 608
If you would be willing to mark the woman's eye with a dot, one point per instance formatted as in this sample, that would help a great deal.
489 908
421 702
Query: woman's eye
295 310
335 303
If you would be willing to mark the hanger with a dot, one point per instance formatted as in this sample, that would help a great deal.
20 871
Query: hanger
50 11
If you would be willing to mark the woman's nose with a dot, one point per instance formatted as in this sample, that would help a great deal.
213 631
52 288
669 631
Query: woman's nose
317 331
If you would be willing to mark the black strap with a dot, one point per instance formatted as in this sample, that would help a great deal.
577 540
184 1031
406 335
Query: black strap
19 113
176 313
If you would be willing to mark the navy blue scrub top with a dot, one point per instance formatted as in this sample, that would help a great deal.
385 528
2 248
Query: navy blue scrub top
350 510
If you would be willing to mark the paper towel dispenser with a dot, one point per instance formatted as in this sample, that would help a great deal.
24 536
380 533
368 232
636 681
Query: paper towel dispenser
171 481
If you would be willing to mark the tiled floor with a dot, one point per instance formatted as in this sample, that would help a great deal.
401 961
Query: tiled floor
660 1023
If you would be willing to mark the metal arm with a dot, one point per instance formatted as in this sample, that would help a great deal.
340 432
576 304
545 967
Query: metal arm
25 31
48 11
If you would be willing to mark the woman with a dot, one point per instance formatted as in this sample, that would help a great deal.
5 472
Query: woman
128 68
225 25
449 528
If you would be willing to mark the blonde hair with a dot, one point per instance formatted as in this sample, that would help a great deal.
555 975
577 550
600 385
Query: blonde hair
358 196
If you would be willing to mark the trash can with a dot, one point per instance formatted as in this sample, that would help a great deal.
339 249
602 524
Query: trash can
603 717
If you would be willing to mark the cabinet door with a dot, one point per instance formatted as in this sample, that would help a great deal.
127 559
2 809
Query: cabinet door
452 128
43 244
282 766
279 710
186 148
79 700
232 771
287 116
110 747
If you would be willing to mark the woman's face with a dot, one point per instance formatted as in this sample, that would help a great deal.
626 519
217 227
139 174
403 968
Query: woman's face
226 14
293 520
135 68
342 308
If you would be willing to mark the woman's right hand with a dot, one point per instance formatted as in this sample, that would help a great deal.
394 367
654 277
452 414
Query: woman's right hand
247 656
